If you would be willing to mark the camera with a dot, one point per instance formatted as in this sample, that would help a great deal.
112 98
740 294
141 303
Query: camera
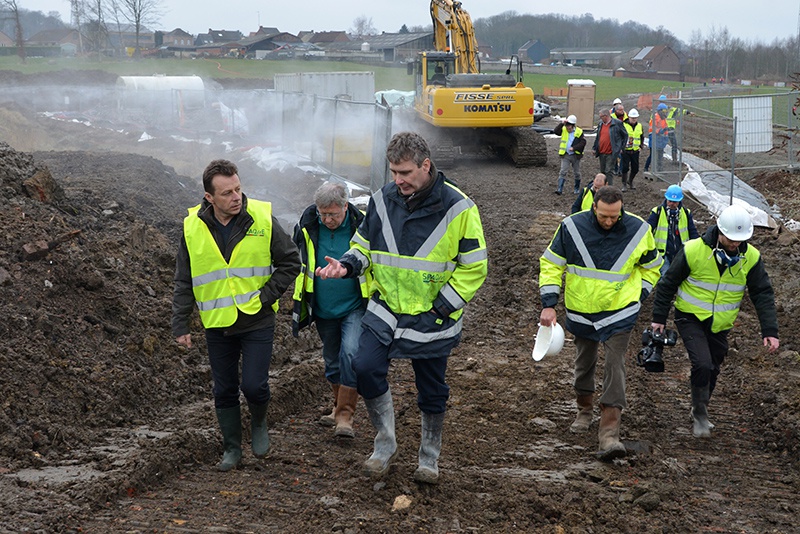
653 343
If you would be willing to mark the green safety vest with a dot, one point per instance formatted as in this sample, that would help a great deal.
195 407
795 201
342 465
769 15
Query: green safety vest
672 121
409 284
304 284
590 290
588 199
662 228
223 289
562 148
634 136
706 293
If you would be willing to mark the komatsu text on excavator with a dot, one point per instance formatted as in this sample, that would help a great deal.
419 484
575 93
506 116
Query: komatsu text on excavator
462 106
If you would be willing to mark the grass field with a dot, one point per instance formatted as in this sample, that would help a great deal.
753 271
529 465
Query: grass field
385 77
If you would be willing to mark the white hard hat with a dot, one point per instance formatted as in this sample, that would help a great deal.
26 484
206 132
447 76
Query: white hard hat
617 101
633 113
735 223
572 119
549 341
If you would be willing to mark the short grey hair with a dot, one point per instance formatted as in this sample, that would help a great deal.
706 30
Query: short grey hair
406 146
330 193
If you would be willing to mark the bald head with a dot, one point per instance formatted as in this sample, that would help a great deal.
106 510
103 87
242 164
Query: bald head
599 181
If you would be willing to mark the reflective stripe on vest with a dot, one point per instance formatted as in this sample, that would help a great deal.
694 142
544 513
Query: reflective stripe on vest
409 284
634 136
562 148
662 228
221 290
591 290
706 293
304 284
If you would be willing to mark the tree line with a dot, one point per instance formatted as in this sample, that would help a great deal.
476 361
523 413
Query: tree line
715 53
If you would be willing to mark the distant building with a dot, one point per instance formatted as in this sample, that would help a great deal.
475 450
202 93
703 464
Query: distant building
178 37
534 51
257 45
218 37
601 58
659 58
68 40
5 40
323 38
123 36
264 31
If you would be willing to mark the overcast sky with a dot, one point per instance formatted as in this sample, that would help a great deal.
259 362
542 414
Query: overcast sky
745 20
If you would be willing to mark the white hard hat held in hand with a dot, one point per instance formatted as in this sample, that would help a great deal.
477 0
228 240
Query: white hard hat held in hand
549 341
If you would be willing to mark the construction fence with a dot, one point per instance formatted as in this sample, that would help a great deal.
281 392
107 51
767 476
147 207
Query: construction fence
725 137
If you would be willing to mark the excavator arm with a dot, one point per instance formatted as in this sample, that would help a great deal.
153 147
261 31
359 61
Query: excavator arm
453 32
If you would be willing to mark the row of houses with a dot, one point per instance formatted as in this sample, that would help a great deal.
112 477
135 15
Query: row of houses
265 42
271 43
661 58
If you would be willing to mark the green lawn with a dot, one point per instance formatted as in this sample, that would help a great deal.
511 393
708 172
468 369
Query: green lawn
385 77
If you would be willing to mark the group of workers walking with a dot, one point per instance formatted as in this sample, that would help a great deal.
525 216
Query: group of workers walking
393 282
618 142
388 283
611 260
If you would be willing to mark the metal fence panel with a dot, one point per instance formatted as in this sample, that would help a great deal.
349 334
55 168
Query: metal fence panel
735 132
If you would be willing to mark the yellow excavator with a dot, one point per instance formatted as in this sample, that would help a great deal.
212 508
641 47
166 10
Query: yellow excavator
461 106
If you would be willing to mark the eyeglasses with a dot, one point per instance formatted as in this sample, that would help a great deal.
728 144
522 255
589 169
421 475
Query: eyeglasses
328 215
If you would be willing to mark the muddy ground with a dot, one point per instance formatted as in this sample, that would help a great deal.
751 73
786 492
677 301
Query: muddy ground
107 425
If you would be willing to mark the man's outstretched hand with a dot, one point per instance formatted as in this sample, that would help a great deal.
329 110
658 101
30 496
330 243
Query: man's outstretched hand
334 269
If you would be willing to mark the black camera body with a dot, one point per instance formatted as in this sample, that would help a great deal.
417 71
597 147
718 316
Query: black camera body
653 343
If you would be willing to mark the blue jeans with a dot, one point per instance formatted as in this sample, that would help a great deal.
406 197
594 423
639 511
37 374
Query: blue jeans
339 343
371 364
255 350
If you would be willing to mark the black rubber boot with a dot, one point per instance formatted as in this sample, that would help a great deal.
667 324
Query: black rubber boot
259 437
701 427
230 423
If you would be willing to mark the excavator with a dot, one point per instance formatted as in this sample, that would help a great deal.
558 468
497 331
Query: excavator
462 107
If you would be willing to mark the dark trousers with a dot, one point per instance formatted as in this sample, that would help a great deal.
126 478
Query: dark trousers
706 349
607 167
630 161
371 364
224 352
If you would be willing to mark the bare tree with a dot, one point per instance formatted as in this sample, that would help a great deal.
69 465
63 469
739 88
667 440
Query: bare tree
96 29
139 13
13 10
115 14
362 27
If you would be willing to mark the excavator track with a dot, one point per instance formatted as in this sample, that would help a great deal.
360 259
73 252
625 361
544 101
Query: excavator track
528 148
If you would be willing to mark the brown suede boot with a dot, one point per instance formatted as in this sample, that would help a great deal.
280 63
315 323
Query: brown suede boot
584 417
610 445
330 419
345 408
